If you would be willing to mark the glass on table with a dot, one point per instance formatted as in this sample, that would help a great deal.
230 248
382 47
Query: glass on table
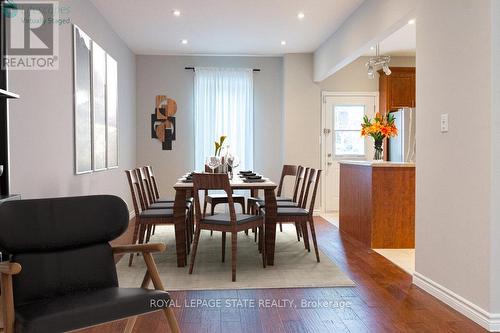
213 162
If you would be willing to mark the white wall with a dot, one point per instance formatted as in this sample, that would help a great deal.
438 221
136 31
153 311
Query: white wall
41 127
166 75
454 169
495 166
373 21
302 111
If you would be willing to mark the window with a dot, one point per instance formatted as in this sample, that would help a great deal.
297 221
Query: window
223 105
347 127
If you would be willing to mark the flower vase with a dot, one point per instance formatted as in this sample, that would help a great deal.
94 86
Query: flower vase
379 150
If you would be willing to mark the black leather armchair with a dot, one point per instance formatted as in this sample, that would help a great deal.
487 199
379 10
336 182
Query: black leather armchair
61 273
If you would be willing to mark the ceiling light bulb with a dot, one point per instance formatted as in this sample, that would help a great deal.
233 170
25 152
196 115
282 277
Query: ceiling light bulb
412 21
386 69
372 48
176 12
371 74
301 15
283 42
184 41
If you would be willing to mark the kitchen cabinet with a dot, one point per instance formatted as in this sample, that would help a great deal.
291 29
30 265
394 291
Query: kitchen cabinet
397 90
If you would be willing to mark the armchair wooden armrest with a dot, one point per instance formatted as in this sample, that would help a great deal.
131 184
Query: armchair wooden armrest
144 248
9 268
151 275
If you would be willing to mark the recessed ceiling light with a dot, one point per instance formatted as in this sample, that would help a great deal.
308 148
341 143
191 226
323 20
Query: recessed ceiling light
301 15
372 48
283 42
184 41
176 12
412 21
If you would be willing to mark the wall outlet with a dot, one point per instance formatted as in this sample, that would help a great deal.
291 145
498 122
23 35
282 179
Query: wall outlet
444 123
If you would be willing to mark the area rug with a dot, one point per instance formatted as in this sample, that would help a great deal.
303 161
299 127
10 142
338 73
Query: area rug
294 267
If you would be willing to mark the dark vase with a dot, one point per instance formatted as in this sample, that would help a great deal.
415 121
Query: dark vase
379 150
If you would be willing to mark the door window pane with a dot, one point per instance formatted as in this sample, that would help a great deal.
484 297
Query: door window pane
348 117
349 143
347 127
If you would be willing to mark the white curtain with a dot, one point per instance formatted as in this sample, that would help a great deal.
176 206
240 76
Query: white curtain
223 105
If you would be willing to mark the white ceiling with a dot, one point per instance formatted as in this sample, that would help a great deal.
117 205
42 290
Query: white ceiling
232 27
403 42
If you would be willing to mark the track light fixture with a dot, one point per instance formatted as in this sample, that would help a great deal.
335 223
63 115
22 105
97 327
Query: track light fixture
371 73
378 61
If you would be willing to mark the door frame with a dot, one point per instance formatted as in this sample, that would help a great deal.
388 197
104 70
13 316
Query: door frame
324 95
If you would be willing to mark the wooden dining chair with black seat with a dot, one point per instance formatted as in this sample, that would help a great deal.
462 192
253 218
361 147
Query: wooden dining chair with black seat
287 170
226 223
220 198
155 195
303 215
143 216
61 275
300 182
148 195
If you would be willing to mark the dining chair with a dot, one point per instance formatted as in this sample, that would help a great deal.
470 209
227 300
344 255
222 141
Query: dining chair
155 194
154 186
220 198
302 215
232 222
148 195
143 216
287 170
300 182
61 275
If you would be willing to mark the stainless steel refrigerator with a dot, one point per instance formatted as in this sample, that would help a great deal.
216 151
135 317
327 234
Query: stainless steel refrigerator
402 148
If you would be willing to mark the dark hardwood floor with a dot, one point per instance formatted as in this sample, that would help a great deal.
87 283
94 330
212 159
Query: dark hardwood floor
384 300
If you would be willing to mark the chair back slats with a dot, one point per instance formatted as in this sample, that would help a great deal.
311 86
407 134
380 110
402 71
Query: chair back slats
304 179
309 180
146 190
135 191
300 176
213 181
152 181
288 170
314 181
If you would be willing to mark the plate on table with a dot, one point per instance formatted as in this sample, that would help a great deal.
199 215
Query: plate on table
245 172
254 180
253 177
246 175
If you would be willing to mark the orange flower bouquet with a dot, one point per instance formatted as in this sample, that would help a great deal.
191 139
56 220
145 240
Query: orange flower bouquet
379 128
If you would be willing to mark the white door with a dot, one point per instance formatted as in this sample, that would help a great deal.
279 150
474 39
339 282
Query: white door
342 117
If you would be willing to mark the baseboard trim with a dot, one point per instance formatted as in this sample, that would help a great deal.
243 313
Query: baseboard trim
489 321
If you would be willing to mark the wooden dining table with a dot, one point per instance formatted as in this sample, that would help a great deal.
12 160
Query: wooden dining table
184 190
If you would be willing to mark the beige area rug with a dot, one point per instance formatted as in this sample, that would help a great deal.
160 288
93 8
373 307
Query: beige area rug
294 267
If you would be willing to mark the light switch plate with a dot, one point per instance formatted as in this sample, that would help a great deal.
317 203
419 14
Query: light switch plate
444 123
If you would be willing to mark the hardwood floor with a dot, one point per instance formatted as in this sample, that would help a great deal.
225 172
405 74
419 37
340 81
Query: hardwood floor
384 300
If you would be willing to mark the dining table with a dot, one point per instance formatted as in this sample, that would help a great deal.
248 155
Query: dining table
184 189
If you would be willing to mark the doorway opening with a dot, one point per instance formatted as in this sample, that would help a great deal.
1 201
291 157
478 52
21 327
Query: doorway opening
365 86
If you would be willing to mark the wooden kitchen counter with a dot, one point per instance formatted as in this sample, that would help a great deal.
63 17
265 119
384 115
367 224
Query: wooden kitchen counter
377 203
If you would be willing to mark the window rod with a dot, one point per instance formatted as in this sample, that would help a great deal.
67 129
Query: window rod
192 68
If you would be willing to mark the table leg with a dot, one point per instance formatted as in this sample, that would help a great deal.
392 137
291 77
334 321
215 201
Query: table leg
270 221
180 226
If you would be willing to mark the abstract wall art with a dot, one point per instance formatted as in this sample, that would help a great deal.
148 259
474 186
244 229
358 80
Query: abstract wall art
163 121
